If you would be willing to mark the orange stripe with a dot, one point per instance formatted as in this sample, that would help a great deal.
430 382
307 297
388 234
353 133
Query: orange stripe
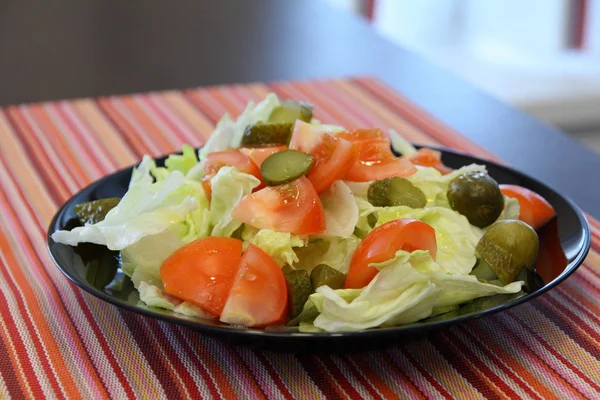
150 129
195 119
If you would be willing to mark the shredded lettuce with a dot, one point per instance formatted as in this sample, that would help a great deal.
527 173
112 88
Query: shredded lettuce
335 252
182 162
279 245
456 237
228 133
154 296
341 210
228 187
407 289
401 145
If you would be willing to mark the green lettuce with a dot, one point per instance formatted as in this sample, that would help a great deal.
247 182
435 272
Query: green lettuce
456 237
408 288
182 162
335 252
401 145
279 245
228 187
154 296
341 210
228 133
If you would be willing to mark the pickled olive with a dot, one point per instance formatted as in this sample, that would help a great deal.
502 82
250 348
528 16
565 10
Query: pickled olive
325 275
476 196
508 247
299 288
285 166
290 111
395 192
262 134
95 211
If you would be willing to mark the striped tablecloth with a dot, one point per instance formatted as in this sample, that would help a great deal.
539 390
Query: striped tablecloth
60 342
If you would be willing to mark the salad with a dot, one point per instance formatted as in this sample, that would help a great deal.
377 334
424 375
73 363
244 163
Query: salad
283 220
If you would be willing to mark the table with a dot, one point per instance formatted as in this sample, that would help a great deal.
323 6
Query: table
56 50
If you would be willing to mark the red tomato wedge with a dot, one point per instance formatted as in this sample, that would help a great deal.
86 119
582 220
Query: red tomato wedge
294 207
333 157
535 210
382 243
259 154
258 296
429 158
234 158
202 272
375 158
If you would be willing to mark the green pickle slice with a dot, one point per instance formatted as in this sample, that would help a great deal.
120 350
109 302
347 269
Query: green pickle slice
95 211
291 110
325 275
299 288
285 166
477 196
263 134
395 191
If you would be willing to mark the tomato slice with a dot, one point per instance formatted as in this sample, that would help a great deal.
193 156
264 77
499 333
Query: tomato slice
202 272
259 154
534 209
382 243
294 207
332 156
429 158
375 158
258 296
234 158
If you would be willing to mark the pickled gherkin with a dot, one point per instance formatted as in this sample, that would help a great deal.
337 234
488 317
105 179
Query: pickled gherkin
285 166
264 134
508 247
95 211
299 288
325 275
290 111
395 191
476 196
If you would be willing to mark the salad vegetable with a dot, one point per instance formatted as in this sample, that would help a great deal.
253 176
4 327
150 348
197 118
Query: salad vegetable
282 220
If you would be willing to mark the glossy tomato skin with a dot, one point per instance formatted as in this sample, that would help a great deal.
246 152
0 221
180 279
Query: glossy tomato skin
375 158
259 154
534 209
382 243
333 157
294 207
258 296
429 158
202 272
219 159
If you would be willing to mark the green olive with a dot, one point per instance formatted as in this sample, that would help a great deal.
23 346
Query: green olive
285 166
507 247
95 211
263 134
325 275
290 111
476 196
395 191
299 288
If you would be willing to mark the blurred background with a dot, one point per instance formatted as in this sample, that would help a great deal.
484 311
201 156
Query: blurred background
542 56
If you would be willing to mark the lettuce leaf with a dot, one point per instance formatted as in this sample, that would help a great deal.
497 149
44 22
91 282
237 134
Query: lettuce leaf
408 288
456 237
334 251
228 133
341 210
146 209
228 187
154 296
182 162
401 145
279 245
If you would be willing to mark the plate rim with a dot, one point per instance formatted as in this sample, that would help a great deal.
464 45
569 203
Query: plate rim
318 336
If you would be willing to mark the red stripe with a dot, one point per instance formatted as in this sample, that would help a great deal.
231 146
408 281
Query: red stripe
454 357
122 126
319 377
274 375
20 303
344 383
581 8
42 166
10 378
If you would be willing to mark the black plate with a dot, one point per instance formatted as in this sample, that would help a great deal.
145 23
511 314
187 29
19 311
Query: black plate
564 243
